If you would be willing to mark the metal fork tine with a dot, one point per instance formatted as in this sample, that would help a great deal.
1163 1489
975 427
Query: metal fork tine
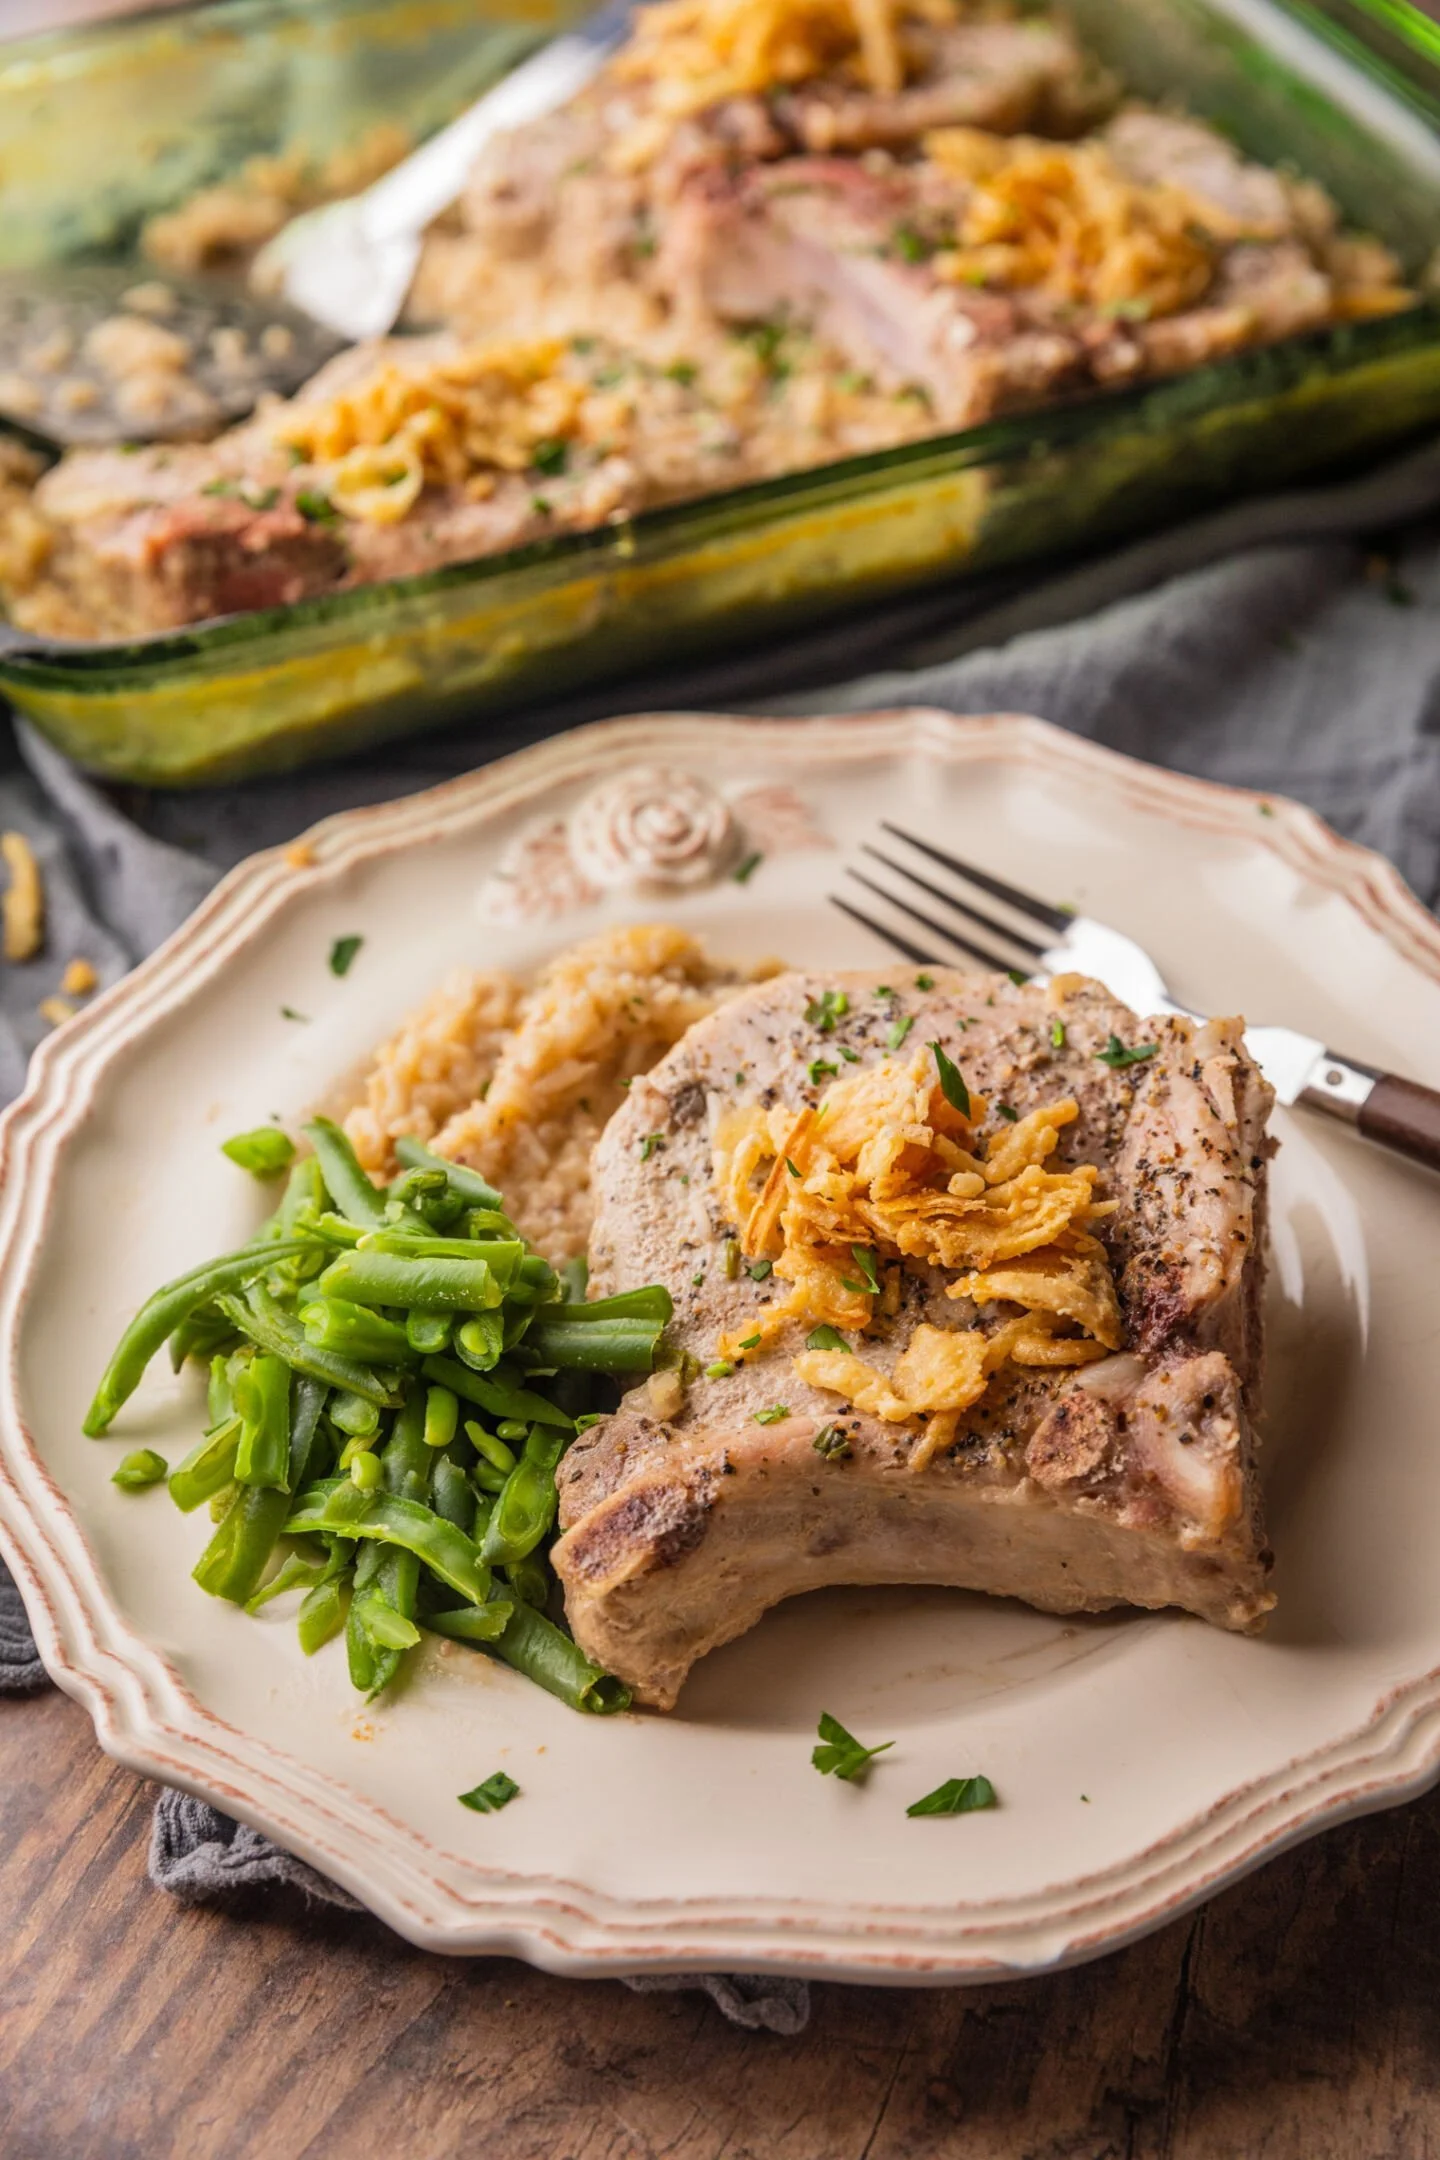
961 907
894 938
1053 918
928 922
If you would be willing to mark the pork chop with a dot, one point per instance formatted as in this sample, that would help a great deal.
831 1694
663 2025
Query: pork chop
1128 1479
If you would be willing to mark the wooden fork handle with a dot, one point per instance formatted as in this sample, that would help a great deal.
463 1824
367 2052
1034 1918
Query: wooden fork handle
1402 1115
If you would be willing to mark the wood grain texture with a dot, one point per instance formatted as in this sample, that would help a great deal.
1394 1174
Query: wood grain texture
1297 2017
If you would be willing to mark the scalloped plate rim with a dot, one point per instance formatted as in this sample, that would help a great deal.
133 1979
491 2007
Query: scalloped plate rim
90 1650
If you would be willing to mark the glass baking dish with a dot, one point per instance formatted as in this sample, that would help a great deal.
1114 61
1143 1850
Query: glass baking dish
261 692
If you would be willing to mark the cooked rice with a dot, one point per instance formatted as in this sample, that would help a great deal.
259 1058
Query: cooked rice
519 1084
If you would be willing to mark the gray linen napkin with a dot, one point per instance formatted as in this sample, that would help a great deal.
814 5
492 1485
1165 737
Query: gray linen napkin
1280 645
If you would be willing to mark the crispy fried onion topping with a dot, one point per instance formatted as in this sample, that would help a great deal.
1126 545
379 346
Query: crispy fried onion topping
886 1170
451 420
1064 219
695 53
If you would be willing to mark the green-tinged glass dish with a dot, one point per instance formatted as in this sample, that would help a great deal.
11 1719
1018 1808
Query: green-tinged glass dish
261 692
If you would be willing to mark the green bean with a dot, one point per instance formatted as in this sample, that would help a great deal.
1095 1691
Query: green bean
406 1462
526 1508
428 1333
386 1628
333 1229
599 1346
442 1414
355 1416
296 1573
359 1648
474 1623
489 1481
385 1613
219 1396
490 1448
467 1183
235 1559
442 1546
304 1195
161 1314
495 1391
439 1285
503 1256
262 1396
208 1466
143 1467
530 1580
539 1650
352 1192
450 1494
322 1615
575 1277
271 1328
201 1335
307 1440
481 1340
354 1331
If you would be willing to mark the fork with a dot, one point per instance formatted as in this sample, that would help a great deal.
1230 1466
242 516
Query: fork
1398 1114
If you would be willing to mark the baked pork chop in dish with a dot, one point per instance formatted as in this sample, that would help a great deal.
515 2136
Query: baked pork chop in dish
967 1278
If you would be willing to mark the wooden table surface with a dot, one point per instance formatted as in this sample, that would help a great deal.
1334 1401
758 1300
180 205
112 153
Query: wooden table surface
1297 2017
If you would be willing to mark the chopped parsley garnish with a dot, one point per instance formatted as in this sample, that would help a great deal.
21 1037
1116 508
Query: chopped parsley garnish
924 982
582 345
865 1261
764 340
648 1145
911 246
288 1012
342 952
644 244
1018 977
751 1342
682 372
253 498
851 1057
757 1270
884 991
264 1152
819 1072
824 1011
957 1796
899 1031
840 1754
488 1799
720 1370
825 1338
952 1086
739 1079
315 504
831 1444
743 873
1004 1110
541 506
1266 809
1116 1053
790 1166
774 1415
589 1418
295 454
550 457
1057 1034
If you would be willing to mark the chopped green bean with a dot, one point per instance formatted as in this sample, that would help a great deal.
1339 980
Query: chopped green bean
355 1415
442 1415
264 1152
262 1396
490 1448
467 1183
480 1341
352 1192
530 1580
161 1314
540 1650
407 1460
428 1333
526 1508
354 1331
371 1277
495 1392
209 1466
270 1327
441 1545
474 1623
144 1467
450 1494
322 1615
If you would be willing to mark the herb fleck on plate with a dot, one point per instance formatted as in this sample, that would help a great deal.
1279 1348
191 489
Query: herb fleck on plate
840 1754
343 952
488 1799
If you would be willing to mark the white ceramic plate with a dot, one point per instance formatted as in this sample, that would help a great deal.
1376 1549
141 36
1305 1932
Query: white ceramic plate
1141 1760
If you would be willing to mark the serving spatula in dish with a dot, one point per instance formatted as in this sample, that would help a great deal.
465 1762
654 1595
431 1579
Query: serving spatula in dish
1396 1113
351 263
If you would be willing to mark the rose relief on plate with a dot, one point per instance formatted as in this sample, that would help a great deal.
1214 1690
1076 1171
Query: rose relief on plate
653 829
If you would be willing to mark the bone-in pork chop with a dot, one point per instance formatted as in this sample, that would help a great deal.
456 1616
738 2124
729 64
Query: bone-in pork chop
1101 1450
